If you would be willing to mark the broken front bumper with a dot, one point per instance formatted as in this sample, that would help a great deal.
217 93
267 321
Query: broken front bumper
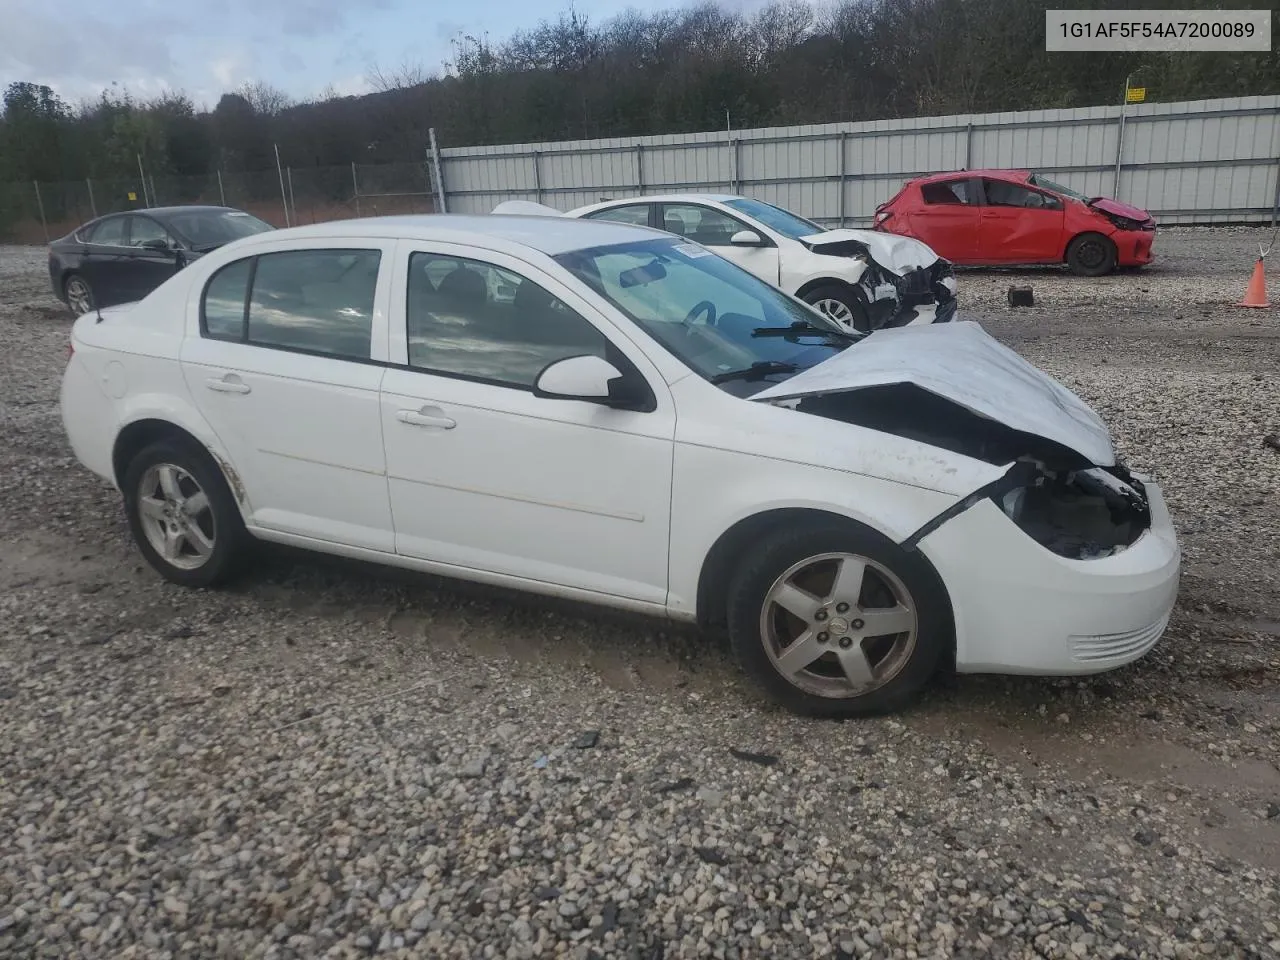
1021 609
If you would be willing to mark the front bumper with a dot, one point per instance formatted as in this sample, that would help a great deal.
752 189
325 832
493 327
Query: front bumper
1020 609
1134 247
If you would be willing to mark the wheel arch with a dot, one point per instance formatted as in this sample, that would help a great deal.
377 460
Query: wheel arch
1066 247
726 552
140 433
817 283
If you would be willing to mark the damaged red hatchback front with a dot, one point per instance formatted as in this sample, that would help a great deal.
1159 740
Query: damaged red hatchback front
1014 217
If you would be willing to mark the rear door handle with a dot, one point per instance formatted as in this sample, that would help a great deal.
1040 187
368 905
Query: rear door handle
426 417
227 384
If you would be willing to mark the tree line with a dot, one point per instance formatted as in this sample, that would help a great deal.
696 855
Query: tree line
691 69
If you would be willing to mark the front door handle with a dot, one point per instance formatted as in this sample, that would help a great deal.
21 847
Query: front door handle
426 417
228 384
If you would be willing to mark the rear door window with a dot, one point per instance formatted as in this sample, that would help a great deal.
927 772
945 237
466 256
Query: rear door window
947 192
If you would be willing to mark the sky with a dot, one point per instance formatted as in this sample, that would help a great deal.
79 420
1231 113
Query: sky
207 47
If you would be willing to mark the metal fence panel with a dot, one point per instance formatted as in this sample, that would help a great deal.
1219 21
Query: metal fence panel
1203 161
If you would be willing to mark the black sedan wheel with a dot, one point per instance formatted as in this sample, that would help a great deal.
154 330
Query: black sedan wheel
79 294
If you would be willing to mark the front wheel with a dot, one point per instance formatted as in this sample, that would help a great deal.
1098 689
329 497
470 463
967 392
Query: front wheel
1091 255
182 514
835 620
840 304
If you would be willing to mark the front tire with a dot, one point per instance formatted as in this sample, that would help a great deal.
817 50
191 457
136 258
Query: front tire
834 620
840 304
182 514
1091 255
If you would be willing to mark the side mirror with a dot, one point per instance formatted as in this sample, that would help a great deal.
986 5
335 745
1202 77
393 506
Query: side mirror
588 378
156 244
746 238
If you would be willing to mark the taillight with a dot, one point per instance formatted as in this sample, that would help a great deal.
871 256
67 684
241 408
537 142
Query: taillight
71 349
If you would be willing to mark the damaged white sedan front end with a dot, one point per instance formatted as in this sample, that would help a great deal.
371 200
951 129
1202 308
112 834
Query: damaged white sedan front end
863 279
1064 562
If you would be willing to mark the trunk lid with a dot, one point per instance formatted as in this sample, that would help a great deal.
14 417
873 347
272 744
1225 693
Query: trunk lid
895 253
962 363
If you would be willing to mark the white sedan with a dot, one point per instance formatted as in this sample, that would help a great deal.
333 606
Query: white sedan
609 413
864 279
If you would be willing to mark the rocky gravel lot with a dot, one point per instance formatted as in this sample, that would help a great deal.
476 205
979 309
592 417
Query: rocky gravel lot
330 760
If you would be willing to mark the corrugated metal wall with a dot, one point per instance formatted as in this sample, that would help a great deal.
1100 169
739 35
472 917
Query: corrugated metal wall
1198 162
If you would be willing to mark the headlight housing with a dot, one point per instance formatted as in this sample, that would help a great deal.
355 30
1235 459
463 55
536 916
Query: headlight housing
1082 514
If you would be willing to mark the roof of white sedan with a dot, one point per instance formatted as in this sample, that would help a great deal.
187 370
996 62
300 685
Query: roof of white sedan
549 235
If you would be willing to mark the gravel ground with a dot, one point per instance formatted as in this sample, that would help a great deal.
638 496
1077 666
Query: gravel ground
334 760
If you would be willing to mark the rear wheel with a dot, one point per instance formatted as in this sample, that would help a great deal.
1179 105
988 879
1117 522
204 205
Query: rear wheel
1091 255
79 294
840 304
835 620
182 514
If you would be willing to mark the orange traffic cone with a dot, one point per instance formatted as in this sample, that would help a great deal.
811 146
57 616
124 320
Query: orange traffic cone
1255 294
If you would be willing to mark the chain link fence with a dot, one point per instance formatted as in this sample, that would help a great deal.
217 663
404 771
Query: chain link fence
39 211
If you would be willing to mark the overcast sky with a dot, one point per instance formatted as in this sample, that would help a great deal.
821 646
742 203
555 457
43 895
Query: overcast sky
205 47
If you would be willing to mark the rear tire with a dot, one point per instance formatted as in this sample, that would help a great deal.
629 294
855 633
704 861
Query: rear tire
79 294
873 625
182 514
1091 255
840 304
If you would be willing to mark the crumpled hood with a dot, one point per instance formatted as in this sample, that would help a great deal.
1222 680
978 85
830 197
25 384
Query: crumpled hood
964 364
1107 205
895 253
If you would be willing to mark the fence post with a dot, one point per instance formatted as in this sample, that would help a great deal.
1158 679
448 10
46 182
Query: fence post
44 224
142 175
844 143
640 169
93 207
733 164
284 200
292 201
537 176
1275 204
355 187
152 178
1115 193
222 194
968 146
439 176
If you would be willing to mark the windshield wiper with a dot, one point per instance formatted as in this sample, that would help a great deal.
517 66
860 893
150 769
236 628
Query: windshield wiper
757 371
802 327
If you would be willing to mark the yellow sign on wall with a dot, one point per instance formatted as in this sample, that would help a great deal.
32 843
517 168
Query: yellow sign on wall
1135 94
132 195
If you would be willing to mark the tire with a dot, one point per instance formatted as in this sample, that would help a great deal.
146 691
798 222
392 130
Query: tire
854 313
1091 255
153 510
71 289
891 668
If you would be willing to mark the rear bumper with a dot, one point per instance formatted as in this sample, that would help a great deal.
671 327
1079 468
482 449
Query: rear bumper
1021 609
88 418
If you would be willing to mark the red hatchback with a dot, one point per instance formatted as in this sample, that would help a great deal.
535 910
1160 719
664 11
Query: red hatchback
1003 217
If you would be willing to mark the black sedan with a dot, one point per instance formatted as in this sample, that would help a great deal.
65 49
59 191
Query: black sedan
122 257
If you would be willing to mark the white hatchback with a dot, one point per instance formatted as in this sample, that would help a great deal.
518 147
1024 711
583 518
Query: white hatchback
609 413
865 279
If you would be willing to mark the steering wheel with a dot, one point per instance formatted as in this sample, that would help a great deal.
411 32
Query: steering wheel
702 306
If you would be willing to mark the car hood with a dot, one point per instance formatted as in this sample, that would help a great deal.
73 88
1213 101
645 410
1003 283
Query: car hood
962 363
895 253
1115 207
525 208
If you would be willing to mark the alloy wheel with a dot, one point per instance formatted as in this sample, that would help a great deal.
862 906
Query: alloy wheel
838 625
176 516
79 297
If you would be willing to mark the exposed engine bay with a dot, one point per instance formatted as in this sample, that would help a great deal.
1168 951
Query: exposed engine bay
1055 495
892 293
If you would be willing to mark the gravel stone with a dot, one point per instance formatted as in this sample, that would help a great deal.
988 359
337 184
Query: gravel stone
331 760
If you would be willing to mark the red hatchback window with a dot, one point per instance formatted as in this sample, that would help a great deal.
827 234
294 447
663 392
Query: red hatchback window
948 191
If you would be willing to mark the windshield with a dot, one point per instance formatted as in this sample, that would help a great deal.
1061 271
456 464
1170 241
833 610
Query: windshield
775 218
206 229
723 322
1039 181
